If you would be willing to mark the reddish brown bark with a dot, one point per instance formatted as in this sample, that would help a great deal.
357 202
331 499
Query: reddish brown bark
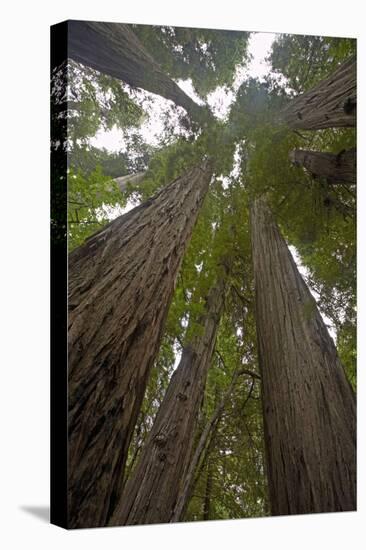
115 50
202 445
153 489
330 104
308 404
335 169
120 287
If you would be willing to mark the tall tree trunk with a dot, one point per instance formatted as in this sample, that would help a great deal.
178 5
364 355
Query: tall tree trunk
206 435
308 404
340 168
330 104
152 491
120 287
115 50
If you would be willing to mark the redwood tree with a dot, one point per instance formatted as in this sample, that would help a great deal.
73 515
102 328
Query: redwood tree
153 489
206 435
115 50
120 287
308 404
330 104
340 168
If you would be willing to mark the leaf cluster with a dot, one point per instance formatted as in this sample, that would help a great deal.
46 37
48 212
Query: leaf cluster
209 58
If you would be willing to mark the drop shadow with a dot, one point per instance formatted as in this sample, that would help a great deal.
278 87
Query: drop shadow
40 512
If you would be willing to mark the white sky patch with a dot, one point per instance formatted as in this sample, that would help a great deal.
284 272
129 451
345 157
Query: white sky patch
187 87
185 321
227 180
112 140
219 100
129 206
259 48
236 162
178 354
305 273
260 45
152 130
113 212
239 335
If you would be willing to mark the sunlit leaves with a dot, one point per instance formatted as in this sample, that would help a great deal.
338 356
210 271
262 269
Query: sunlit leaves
305 60
88 200
97 101
208 57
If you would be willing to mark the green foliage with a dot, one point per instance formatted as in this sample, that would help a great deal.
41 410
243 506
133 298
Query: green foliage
84 158
255 106
208 57
89 200
347 349
234 458
250 154
324 229
97 101
305 60
317 218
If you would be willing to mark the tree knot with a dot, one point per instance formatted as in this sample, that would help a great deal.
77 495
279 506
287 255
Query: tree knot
160 440
182 396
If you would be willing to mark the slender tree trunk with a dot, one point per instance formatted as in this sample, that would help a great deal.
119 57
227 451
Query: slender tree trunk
210 427
335 169
152 491
330 104
123 181
308 404
120 287
115 50
133 179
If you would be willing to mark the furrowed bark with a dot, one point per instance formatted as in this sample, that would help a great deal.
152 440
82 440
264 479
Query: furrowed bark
308 404
115 50
152 491
120 287
340 168
330 104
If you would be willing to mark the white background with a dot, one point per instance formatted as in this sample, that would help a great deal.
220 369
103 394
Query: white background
24 274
